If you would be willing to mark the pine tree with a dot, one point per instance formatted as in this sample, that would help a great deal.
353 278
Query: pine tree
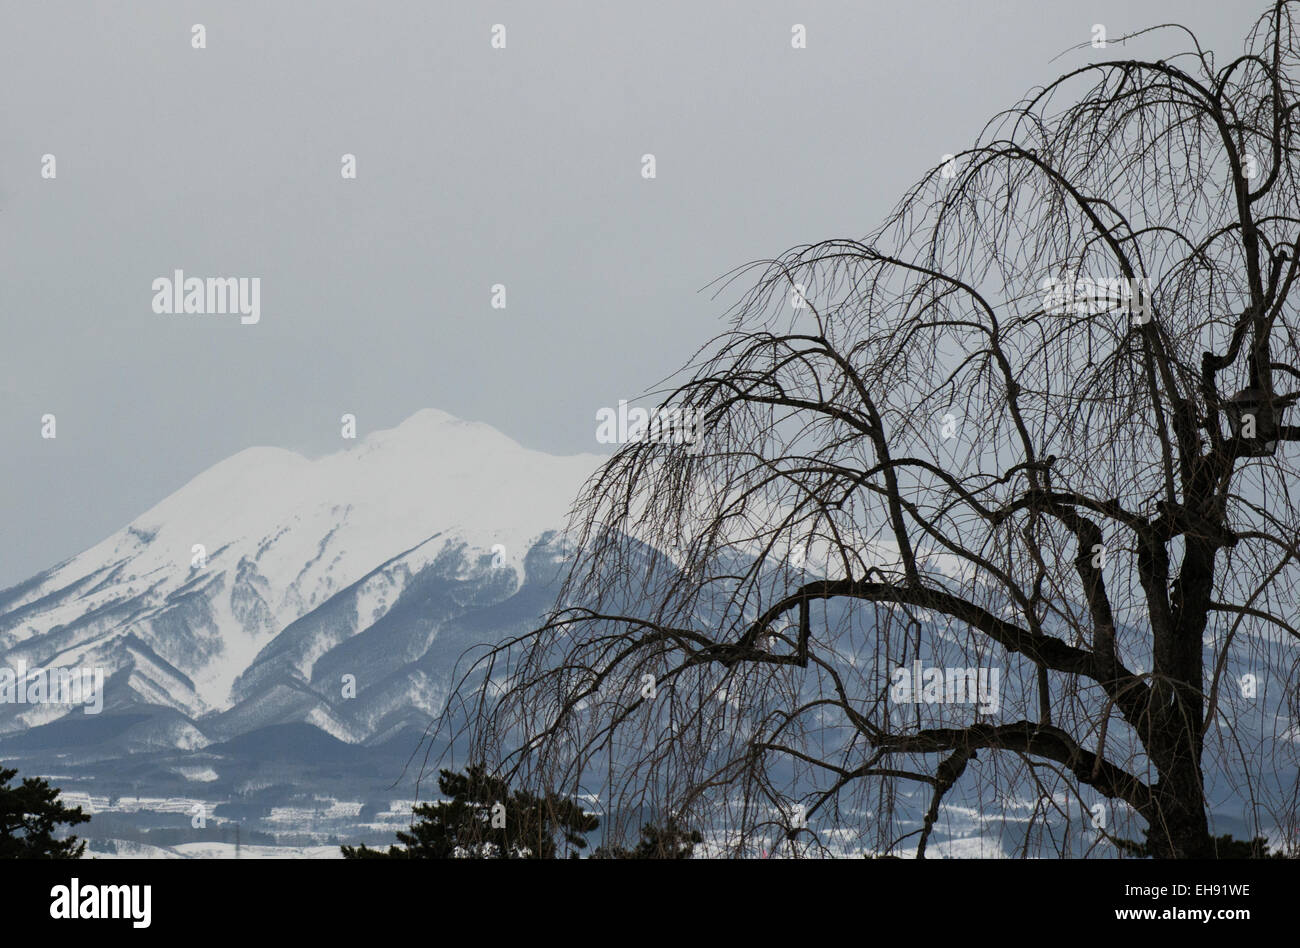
29 814
484 819
669 841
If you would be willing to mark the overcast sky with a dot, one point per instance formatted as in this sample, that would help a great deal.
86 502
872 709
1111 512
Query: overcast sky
475 166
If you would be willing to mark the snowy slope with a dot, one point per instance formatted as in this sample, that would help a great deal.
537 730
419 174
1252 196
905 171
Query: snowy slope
287 538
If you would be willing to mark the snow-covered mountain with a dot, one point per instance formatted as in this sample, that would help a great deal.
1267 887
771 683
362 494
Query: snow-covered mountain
277 636
248 597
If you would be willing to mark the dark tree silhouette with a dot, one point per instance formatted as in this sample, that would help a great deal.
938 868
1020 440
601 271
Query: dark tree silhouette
657 842
484 819
1036 422
30 814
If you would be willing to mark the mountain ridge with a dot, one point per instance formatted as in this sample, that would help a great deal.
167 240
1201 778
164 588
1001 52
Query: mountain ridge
210 594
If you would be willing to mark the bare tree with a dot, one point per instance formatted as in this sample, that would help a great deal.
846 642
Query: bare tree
1036 422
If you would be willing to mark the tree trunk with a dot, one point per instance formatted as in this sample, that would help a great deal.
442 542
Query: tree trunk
1177 826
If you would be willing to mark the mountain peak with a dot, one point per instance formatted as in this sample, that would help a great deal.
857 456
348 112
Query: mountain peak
265 536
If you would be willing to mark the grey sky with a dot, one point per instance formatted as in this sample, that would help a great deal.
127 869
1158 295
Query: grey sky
475 166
